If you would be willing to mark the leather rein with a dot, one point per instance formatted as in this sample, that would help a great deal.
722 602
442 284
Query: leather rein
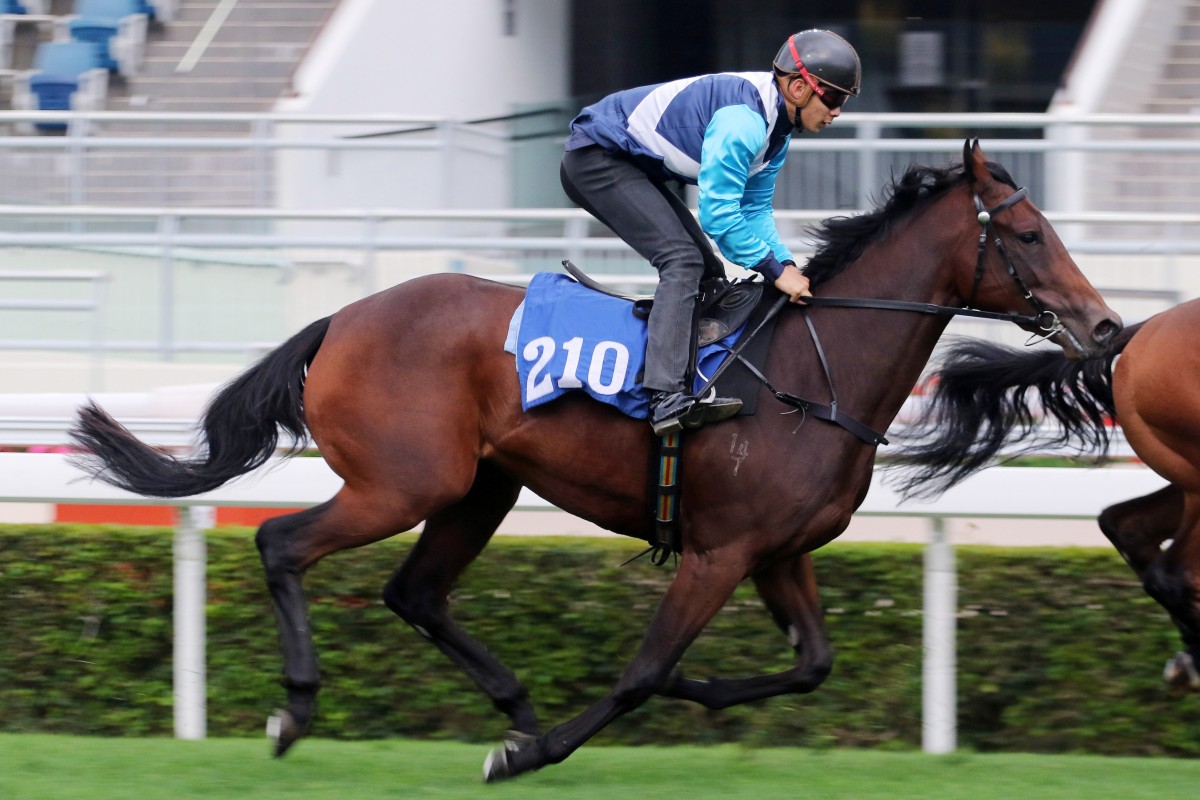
1044 320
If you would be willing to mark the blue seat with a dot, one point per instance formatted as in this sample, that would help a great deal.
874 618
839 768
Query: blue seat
12 7
97 22
58 68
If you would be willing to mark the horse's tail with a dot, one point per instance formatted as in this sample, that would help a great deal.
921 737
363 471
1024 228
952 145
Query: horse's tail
240 429
986 398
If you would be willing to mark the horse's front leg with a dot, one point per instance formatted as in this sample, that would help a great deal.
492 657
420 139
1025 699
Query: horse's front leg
701 586
789 590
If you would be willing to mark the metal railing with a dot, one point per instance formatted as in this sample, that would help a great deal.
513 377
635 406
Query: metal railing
155 258
1056 155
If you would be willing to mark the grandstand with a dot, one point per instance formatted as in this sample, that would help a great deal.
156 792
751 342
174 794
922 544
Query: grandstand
356 107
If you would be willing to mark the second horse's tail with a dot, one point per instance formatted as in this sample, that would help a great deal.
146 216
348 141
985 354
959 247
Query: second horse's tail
987 398
240 429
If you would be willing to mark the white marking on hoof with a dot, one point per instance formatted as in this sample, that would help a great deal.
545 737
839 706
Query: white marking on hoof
274 726
1181 671
793 636
495 766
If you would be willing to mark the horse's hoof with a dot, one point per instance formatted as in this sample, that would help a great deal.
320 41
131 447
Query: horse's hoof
1181 673
495 766
283 731
500 763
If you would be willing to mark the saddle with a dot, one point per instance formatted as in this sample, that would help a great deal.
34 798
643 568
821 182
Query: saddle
724 305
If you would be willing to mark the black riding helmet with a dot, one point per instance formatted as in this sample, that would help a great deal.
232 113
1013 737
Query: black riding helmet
822 55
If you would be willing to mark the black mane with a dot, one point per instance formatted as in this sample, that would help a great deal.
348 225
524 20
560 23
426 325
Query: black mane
841 240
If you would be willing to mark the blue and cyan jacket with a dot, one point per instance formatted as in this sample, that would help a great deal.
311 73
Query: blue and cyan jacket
726 133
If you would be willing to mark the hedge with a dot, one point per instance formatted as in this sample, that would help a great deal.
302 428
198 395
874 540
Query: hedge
1059 650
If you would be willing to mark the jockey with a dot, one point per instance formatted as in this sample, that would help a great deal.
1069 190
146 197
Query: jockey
728 134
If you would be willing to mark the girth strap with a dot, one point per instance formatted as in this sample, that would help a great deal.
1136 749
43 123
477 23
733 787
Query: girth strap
667 537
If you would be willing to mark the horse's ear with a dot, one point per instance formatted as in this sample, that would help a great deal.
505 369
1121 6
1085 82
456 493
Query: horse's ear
975 163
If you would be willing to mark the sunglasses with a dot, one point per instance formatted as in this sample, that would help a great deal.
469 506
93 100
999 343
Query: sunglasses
832 98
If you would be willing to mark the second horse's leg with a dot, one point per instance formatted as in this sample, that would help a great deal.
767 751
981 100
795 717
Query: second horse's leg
789 590
418 591
1173 579
1138 528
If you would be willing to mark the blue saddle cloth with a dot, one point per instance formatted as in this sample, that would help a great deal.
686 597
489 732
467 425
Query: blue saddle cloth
567 337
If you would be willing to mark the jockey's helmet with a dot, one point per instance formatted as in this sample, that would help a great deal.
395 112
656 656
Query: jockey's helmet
823 59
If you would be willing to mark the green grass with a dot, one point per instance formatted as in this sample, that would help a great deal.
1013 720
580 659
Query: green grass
39 767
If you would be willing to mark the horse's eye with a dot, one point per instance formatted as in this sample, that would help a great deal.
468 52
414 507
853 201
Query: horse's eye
1030 237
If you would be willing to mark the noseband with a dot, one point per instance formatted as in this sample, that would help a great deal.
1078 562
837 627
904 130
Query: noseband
1046 321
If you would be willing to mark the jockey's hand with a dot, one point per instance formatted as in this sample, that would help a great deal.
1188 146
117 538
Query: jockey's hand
793 283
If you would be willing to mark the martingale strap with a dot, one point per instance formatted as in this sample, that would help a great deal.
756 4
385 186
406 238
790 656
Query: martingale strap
828 412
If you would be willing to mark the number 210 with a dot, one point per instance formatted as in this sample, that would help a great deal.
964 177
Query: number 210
542 349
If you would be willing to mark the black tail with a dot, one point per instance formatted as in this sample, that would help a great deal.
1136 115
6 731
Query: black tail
240 429
987 398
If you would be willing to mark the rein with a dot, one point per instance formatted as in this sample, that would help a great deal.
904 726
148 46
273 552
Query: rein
1043 319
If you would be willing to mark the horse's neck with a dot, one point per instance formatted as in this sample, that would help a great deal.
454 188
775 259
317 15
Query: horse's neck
876 356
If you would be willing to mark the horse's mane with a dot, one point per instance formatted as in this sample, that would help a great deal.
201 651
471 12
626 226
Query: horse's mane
841 240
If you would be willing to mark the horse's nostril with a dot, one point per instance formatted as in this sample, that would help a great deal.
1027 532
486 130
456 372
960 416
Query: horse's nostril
1105 331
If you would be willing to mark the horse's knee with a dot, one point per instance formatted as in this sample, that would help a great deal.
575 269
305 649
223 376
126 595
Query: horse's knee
1109 522
283 543
813 672
636 686
272 543
419 608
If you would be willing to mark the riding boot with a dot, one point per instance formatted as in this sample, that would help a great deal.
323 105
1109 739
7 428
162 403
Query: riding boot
671 412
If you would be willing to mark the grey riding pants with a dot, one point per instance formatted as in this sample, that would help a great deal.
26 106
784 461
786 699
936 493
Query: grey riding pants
656 223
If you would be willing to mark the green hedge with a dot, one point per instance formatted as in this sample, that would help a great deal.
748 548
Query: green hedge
1059 650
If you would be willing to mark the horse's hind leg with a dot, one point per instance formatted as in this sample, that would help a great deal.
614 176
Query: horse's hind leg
1173 579
418 591
700 588
1138 527
789 590
288 546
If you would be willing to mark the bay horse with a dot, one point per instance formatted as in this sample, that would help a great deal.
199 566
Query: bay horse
414 403
986 399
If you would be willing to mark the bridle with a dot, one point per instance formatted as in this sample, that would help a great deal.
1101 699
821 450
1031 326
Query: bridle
1046 321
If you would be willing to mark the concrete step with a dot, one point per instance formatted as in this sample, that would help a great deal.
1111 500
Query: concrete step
252 30
1172 105
209 88
1184 49
1176 89
233 105
1183 68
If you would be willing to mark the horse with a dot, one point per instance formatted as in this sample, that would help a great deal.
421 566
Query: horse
986 399
413 402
